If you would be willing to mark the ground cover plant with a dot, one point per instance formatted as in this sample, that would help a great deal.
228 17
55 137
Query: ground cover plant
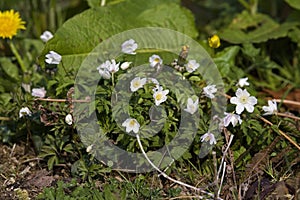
138 99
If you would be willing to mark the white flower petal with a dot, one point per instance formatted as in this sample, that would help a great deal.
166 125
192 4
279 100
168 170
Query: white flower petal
46 36
129 47
249 108
209 91
239 92
239 108
69 119
155 60
243 82
252 100
191 66
137 83
39 92
53 58
24 111
125 65
131 124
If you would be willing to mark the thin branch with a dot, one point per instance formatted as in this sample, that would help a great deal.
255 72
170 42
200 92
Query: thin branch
295 103
216 179
222 178
5 119
288 116
87 100
281 132
224 154
166 176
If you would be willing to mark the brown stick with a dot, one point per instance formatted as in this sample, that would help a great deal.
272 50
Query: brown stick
87 100
281 132
295 103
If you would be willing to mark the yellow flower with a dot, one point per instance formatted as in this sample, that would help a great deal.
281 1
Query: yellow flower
10 23
214 41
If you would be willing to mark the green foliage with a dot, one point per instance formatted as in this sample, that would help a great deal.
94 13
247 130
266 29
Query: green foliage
86 30
255 28
258 41
294 3
72 191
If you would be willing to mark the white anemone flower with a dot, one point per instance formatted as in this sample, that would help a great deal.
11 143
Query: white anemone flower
231 118
69 119
271 108
131 124
47 35
243 82
155 60
89 148
137 83
24 111
160 95
243 100
209 91
192 106
191 66
109 66
39 92
209 137
125 65
53 58
113 67
129 47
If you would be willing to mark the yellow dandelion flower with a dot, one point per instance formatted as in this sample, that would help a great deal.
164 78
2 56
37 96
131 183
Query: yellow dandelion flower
10 23
214 41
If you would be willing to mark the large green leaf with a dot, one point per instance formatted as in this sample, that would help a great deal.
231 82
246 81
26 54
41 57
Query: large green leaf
294 3
255 29
81 34
9 68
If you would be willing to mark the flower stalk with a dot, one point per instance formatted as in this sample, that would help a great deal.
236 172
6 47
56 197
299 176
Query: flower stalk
168 177
17 55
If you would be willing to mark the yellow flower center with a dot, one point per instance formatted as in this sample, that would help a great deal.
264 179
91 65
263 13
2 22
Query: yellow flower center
10 23
131 123
243 99
136 84
159 96
214 41
156 60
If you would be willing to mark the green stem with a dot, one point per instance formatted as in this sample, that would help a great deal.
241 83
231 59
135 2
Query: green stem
17 55
253 6
245 4
113 79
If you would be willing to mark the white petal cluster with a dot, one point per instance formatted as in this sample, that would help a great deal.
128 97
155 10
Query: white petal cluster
69 119
137 83
208 137
191 66
243 100
131 124
192 106
209 91
24 112
129 47
271 108
160 95
39 92
155 60
46 36
232 118
108 67
243 82
53 58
